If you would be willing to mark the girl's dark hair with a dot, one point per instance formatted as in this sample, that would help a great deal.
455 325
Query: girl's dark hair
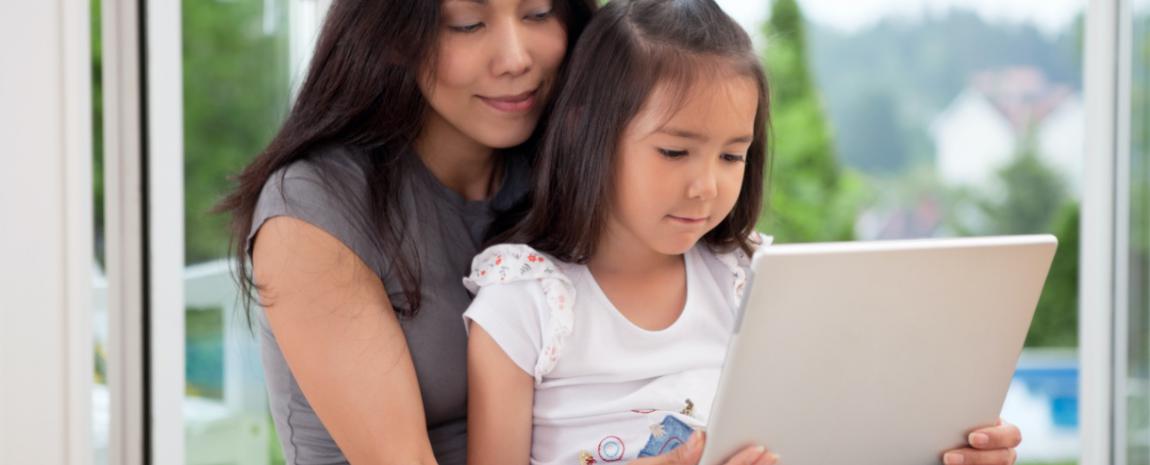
362 93
630 50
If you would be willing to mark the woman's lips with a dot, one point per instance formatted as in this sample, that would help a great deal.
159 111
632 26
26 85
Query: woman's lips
512 103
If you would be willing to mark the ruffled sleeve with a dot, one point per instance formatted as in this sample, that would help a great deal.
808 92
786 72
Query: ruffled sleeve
736 267
509 277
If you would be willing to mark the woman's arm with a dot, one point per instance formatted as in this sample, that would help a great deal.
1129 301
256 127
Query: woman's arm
500 400
341 338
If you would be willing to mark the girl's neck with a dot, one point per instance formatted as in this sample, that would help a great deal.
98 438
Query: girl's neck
456 160
647 287
620 252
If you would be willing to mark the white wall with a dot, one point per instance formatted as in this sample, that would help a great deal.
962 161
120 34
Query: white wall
45 232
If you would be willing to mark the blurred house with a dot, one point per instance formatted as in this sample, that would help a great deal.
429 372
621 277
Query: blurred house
994 118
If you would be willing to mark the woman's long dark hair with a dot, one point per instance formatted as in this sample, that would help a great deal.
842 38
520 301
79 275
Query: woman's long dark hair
362 93
630 50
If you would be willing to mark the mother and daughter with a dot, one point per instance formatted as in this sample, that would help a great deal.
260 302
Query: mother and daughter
612 163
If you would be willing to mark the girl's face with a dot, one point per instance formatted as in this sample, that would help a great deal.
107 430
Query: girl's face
497 60
679 177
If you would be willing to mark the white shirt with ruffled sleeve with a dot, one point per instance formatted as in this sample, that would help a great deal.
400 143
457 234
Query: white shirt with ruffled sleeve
604 386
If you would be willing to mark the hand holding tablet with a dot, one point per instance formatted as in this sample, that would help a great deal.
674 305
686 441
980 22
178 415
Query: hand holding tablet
891 351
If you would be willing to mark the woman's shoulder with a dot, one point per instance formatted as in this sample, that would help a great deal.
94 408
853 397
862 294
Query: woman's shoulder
327 189
319 167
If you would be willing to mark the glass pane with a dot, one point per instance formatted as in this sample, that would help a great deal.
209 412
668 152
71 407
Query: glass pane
237 77
1138 329
914 118
101 399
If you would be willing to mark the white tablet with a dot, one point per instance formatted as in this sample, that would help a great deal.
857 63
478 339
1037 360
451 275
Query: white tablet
876 352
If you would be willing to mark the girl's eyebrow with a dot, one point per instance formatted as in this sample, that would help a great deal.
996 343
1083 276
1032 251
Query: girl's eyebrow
699 137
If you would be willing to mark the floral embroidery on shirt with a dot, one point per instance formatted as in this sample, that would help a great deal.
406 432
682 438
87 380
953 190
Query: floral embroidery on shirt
688 409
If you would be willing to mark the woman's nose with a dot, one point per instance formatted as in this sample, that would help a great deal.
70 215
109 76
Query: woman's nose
512 53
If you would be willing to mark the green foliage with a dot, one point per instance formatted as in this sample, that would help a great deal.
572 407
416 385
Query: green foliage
97 128
1032 195
811 197
925 63
1055 321
236 90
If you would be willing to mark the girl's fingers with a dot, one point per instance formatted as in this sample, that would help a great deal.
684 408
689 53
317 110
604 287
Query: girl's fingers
970 456
692 451
755 455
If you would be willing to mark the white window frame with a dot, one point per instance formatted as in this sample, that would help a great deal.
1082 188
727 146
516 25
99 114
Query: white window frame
1104 267
144 204
46 241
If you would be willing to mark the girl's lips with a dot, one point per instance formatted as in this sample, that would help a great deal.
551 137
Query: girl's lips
687 220
512 104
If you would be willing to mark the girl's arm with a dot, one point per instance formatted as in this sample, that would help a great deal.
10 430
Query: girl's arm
499 404
342 341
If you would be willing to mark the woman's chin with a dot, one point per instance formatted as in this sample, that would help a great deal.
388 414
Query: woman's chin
506 135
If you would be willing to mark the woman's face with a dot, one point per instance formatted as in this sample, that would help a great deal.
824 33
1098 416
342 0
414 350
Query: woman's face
496 65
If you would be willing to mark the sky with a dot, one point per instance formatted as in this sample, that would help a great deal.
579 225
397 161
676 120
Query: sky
851 15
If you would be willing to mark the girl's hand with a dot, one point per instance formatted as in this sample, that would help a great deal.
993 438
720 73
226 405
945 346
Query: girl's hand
691 452
989 446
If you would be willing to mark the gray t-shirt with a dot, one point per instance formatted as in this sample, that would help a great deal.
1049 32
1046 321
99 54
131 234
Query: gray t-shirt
445 230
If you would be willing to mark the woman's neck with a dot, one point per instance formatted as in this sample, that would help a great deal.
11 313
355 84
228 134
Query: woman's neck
456 160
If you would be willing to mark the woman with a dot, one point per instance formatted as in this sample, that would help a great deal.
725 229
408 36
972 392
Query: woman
409 137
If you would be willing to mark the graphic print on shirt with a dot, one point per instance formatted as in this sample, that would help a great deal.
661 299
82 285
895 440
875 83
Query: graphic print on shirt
611 449
666 436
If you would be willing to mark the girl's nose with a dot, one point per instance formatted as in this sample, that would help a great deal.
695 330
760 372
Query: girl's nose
705 186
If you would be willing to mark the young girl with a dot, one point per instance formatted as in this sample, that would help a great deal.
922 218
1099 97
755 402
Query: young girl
601 339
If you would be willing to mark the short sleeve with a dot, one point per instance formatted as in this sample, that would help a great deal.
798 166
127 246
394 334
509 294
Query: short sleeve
331 196
553 294
732 269
515 315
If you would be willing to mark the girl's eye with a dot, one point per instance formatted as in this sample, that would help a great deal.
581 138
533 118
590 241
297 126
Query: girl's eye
541 16
734 158
673 153
468 28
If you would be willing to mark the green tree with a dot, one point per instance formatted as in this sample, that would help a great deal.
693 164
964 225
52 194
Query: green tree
97 129
236 91
811 198
1031 198
1055 321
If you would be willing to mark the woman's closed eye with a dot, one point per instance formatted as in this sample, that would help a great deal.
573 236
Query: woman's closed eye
467 28
672 154
734 158
541 16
